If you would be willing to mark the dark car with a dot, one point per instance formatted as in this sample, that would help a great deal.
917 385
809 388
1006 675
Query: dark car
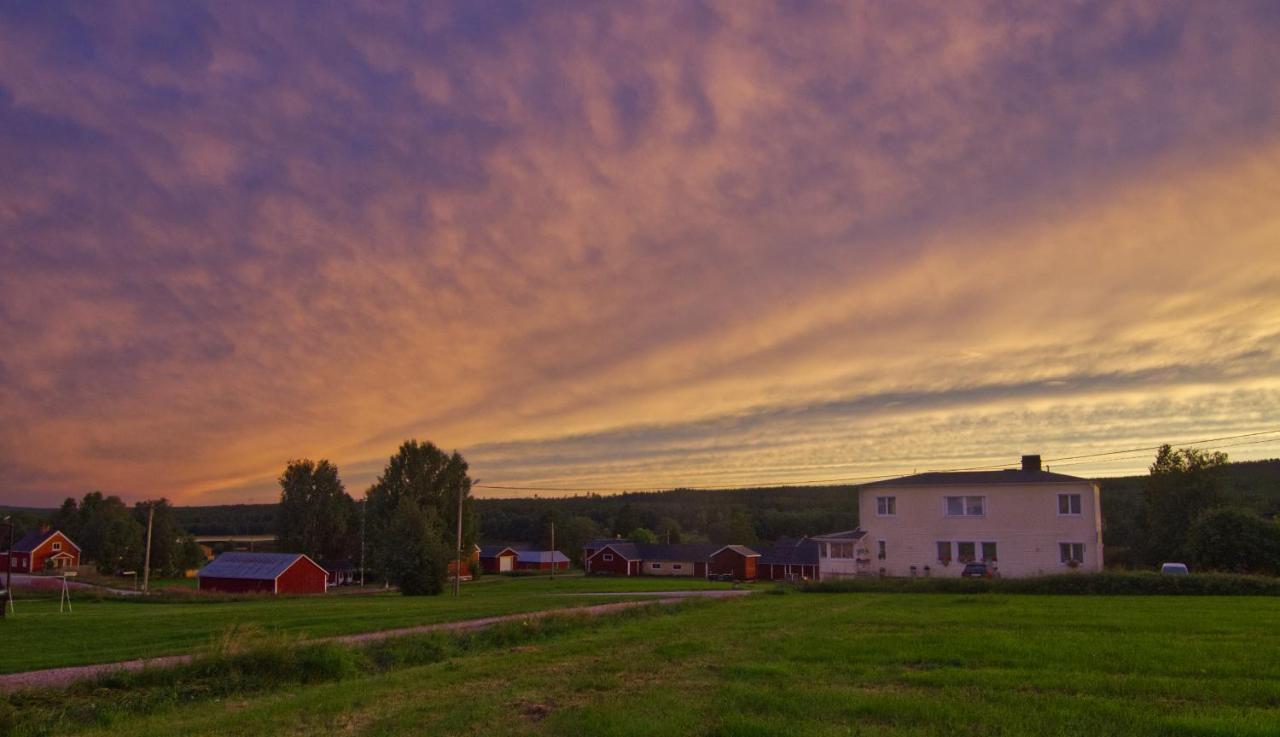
976 570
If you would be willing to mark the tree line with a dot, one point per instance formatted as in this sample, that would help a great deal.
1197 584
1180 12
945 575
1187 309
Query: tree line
113 536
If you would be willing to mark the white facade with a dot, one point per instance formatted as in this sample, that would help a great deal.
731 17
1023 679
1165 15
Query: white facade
1022 528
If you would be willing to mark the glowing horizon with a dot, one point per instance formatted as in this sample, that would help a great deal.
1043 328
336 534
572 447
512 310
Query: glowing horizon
636 246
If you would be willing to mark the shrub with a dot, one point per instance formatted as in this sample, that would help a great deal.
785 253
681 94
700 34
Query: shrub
1233 539
1094 584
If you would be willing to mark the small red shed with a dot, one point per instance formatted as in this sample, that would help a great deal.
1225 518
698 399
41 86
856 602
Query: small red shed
41 549
268 573
738 561
498 558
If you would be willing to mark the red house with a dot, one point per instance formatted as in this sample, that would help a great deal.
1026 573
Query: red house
39 550
268 573
619 558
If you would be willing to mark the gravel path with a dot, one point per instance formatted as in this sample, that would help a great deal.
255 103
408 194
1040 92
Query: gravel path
58 677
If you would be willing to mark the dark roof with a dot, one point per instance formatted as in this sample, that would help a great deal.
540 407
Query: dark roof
621 547
787 551
843 535
34 539
492 551
979 478
256 566
739 549
541 556
336 565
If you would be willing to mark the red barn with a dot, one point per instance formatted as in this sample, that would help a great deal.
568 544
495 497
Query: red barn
650 559
41 549
541 560
268 573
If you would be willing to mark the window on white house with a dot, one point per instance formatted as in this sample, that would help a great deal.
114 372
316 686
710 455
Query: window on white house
655 566
966 506
1069 552
966 552
607 557
880 551
944 550
886 506
822 550
676 566
1068 504
841 550
988 551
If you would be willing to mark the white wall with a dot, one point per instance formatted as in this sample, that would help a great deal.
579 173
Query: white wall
1022 519
667 568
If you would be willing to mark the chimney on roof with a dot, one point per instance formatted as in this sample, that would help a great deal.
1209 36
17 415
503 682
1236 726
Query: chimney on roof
1031 463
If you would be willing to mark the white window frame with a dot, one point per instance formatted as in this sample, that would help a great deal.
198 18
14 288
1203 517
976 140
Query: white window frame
886 506
982 553
960 556
882 550
1079 499
965 504
57 546
677 566
1079 560
950 550
655 566
606 557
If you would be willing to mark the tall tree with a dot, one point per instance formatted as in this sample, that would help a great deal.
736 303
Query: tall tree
316 515
435 483
1182 485
419 562
106 532
1234 539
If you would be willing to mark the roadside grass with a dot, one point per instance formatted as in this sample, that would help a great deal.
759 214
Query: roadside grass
245 661
1108 583
107 629
873 664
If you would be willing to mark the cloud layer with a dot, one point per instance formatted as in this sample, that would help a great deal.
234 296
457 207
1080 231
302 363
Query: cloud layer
605 246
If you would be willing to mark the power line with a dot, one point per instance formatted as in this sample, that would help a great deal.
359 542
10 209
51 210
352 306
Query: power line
1055 461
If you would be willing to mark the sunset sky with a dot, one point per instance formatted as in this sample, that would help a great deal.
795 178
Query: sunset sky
630 245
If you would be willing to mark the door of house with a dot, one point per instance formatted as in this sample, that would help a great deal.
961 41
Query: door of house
505 563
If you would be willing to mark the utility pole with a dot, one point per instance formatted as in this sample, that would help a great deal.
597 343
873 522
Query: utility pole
553 550
364 505
146 559
8 571
457 572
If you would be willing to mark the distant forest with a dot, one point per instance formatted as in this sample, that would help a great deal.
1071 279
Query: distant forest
739 515
749 515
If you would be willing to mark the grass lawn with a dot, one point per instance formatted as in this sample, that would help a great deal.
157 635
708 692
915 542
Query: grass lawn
108 630
820 664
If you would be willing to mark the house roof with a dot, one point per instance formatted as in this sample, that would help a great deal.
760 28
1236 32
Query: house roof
843 536
740 550
541 556
978 478
493 551
34 539
626 549
256 566
788 551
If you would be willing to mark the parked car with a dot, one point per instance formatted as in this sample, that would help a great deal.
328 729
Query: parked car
1177 569
976 570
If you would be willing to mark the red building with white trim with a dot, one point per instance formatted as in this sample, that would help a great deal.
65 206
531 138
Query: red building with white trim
267 573
39 550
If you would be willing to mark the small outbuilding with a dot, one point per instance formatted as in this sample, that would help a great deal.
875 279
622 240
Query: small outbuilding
268 573
498 558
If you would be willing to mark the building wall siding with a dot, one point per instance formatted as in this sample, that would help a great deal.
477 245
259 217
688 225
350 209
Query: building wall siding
1022 519
235 585
303 577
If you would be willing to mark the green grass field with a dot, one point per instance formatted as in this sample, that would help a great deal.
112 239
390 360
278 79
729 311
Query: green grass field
834 664
107 630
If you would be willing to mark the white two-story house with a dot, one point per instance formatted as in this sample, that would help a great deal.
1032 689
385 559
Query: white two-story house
1026 522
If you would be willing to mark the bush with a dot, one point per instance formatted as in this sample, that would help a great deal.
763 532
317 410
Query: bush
1237 540
1091 584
